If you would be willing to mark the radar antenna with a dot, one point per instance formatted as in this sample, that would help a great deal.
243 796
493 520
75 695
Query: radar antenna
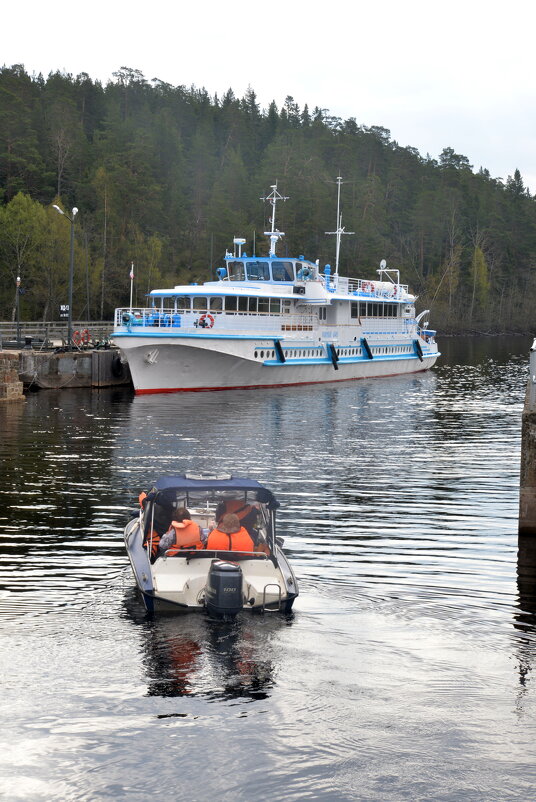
274 234
340 228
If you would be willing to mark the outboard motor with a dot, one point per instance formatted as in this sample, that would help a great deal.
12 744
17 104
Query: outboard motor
223 595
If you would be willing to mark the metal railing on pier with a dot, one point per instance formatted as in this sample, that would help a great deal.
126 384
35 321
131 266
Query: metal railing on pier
51 334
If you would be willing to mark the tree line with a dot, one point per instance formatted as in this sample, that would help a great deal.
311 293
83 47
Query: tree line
164 176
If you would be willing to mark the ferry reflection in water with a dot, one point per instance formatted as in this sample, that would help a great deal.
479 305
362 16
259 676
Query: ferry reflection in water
190 654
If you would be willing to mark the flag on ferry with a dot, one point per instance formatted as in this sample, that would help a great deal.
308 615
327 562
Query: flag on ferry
132 272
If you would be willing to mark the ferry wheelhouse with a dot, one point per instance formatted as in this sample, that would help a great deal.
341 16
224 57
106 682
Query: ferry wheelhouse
274 321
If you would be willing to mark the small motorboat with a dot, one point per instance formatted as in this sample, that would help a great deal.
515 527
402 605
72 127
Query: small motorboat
221 582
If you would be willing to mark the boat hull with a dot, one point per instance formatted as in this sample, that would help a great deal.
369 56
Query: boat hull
179 583
192 364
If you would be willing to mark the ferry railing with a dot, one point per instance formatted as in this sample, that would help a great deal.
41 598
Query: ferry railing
376 289
219 320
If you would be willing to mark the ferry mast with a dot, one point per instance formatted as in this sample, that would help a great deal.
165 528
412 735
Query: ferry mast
340 228
274 234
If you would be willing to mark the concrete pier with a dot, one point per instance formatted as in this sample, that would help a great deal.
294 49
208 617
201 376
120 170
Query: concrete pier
85 368
10 385
527 495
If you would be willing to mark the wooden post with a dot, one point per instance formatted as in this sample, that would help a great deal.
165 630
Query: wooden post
527 494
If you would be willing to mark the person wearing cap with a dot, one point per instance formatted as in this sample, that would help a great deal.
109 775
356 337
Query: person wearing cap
247 513
230 535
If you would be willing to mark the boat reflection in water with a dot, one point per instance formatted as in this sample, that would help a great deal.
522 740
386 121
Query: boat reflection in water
198 656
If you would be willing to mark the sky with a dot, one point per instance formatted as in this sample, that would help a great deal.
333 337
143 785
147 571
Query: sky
459 74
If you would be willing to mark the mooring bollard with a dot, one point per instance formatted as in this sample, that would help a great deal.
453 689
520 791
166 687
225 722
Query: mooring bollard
527 491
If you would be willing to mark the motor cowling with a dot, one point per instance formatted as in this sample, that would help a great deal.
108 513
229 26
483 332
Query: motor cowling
223 593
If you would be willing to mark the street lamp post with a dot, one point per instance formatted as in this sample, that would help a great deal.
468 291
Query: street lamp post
17 306
71 271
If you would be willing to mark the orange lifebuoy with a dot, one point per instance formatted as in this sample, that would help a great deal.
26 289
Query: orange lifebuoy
372 287
85 336
204 324
77 338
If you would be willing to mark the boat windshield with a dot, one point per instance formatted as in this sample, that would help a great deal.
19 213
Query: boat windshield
207 507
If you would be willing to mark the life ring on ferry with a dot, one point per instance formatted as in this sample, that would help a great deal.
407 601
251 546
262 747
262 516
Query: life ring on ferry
206 321
367 286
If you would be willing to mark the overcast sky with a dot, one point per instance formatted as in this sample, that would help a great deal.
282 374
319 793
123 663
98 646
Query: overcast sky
456 74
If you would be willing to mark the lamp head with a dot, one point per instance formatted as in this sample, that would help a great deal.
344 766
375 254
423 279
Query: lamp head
57 208
75 211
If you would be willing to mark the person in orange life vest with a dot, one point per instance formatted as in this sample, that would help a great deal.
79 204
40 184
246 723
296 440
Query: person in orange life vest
229 535
160 515
247 513
182 534
153 541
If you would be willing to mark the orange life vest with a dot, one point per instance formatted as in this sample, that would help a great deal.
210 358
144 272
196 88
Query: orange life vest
238 541
187 536
155 540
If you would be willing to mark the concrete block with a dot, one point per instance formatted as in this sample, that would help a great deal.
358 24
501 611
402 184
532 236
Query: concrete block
11 392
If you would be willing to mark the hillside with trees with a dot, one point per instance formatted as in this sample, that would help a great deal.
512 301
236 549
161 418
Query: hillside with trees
164 176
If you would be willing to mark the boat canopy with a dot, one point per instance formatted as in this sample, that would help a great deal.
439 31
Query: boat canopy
187 483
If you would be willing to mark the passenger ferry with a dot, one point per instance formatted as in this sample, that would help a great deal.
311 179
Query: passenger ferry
274 321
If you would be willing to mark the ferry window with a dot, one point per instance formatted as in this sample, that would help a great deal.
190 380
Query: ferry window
231 303
252 305
258 271
264 304
242 304
216 304
354 309
275 306
363 309
236 271
200 302
282 271
374 310
183 303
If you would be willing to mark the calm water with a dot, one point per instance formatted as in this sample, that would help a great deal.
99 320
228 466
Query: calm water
407 669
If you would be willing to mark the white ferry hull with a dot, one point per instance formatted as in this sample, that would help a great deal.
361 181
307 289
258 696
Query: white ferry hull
194 364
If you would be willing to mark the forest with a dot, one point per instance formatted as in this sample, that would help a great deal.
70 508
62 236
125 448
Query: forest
165 176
